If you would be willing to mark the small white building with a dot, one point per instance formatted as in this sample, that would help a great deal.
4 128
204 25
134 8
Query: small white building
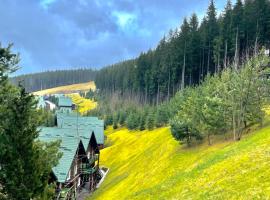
50 105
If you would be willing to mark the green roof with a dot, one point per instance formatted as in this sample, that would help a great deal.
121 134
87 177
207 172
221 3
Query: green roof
75 121
68 147
64 101
81 134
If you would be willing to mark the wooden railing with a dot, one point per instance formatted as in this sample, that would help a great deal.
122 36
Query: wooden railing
87 169
67 194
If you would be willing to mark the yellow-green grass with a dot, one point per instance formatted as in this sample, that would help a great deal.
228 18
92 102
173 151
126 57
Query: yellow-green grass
68 89
83 104
152 165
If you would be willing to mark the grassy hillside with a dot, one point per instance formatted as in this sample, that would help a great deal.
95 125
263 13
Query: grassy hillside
152 165
83 103
68 88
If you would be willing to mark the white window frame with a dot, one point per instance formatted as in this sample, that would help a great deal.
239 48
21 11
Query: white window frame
75 169
68 175
79 182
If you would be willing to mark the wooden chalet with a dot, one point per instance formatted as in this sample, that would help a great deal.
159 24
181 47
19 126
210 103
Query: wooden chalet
79 164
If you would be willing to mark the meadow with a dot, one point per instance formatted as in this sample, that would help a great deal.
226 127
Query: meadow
84 105
152 165
68 89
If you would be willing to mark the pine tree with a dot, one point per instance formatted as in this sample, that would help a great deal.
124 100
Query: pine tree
25 163
184 40
226 32
122 117
133 121
142 121
238 31
115 120
150 120
212 32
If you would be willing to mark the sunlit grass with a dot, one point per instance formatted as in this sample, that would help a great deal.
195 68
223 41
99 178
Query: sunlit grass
84 105
68 88
267 110
152 165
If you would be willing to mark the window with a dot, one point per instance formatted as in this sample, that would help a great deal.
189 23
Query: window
79 181
68 175
75 169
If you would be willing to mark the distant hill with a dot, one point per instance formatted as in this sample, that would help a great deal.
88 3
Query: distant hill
44 80
67 89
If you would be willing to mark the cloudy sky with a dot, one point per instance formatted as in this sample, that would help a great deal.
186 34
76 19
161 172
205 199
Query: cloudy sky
58 34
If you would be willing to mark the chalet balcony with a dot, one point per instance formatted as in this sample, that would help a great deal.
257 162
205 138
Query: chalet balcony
87 169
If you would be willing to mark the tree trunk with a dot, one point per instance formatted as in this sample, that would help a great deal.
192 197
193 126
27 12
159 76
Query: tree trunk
236 56
146 95
256 41
208 58
168 90
158 95
203 65
218 65
200 66
234 128
190 78
209 139
188 138
183 70
225 55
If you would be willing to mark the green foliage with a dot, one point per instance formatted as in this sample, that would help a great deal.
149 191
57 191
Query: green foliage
92 95
133 121
108 120
190 52
142 120
183 131
115 120
150 120
122 117
227 102
49 192
25 163
47 118
162 115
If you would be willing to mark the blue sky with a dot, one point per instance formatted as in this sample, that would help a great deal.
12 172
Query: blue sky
62 34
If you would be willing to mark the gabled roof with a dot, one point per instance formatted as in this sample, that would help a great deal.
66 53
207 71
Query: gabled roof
64 101
68 147
75 121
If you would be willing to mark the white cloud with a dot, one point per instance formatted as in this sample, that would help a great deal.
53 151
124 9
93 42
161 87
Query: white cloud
46 3
124 19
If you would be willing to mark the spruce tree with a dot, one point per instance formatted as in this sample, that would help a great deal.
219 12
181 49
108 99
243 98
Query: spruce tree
115 121
25 163
150 120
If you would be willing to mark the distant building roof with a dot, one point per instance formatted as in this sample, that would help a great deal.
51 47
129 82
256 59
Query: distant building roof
64 101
